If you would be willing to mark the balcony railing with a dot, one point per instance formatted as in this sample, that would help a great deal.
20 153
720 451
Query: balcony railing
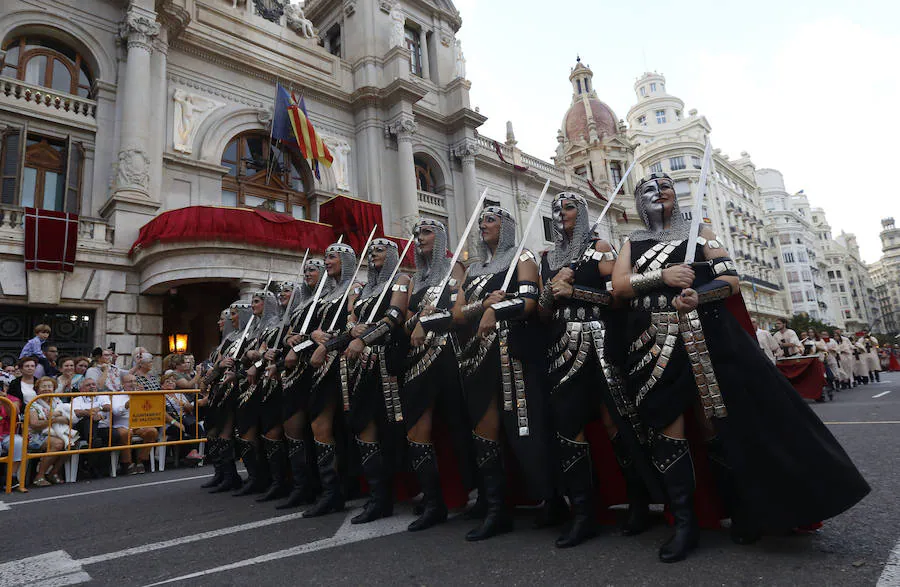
432 202
761 282
30 95
93 233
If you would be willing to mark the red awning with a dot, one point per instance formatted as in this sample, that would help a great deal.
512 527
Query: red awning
349 217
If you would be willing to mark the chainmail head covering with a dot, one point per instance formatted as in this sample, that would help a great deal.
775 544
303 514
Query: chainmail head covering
271 314
679 228
348 266
242 307
290 286
377 278
506 247
227 331
432 268
568 248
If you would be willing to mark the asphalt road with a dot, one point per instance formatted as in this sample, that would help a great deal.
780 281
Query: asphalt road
162 529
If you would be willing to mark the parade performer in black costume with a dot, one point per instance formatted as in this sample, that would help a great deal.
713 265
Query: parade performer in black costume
296 379
504 368
368 382
325 400
270 391
210 420
776 465
575 301
431 383
267 314
224 391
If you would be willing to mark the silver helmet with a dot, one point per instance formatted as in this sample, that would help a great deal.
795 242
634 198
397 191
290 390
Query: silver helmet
568 248
506 247
652 213
432 268
377 278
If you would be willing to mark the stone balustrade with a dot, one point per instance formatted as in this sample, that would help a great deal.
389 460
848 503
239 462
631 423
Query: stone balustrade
33 97
93 233
431 202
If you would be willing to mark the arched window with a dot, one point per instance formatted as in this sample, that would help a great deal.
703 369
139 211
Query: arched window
46 62
50 177
424 175
262 175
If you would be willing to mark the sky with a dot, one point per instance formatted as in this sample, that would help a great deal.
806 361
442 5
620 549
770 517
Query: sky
810 88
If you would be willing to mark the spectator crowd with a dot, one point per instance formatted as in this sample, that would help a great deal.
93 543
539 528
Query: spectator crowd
79 421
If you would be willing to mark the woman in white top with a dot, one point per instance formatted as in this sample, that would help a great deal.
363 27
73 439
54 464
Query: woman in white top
49 430
105 372
842 380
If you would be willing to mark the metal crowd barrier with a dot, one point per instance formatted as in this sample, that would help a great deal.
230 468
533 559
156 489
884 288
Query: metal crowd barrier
149 415
12 412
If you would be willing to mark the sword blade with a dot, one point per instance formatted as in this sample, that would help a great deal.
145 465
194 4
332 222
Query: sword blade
697 214
515 260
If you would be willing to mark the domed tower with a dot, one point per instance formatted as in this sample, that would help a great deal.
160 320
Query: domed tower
591 141
655 107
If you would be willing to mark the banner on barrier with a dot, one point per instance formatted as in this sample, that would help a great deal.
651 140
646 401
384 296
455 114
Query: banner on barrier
147 411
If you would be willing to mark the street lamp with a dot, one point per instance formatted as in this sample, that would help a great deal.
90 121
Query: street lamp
178 343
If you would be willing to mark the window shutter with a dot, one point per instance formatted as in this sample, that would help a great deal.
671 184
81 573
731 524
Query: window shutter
73 177
11 158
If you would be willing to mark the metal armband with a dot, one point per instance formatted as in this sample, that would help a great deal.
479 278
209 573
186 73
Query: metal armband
338 342
724 266
473 311
509 309
644 282
439 321
528 290
394 314
713 291
591 295
376 332
411 324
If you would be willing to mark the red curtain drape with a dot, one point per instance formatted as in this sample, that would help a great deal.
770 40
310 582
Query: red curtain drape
51 239
806 375
352 218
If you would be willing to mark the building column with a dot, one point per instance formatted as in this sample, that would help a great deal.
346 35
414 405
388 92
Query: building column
133 167
407 209
158 112
423 45
465 151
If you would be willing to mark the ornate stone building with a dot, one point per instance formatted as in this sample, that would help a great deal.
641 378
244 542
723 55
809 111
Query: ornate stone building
150 119
885 274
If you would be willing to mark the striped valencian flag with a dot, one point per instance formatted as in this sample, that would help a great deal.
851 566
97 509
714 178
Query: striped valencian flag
310 143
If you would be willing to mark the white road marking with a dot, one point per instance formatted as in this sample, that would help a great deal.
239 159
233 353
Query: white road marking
4 506
96 491
53 568
890 575
877 395
875 422
346 534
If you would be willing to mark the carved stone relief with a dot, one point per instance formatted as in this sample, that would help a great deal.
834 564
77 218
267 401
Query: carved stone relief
398 22
340 150
190 112
133 169
296 21
271 10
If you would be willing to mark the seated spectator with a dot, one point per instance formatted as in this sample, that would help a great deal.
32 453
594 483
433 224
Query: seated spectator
23 387
81 367
92 414
7 373
49 430
122 432
35 346
8 429
105 372
183 377
65 382
182 419
143 371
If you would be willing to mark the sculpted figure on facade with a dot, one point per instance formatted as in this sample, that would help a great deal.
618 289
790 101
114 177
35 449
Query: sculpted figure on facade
459 69
190 112
133 169
271 10
398 22
340 149
296 21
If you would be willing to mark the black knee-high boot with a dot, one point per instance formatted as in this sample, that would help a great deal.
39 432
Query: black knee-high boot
230 478
424 463
638 518
213 448
672 457
275 455
247 451
575 458
497 521
302 491
332 498
743 530
381 502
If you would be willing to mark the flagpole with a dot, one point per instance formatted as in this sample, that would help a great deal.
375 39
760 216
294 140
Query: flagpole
271 132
